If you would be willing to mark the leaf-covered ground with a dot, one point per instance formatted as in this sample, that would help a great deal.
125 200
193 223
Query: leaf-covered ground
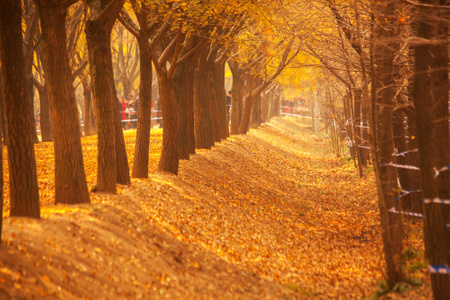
266 215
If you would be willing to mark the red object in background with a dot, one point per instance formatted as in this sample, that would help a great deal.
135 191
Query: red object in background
124 108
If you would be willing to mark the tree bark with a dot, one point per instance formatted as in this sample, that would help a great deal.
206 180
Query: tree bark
415 199
1 153
213 106
89 117
141 150
1 168
391 224
221 97
123 170
430 92
169 160
70 178
24 196
46 131
98 33
236 97
204 136
31 104
183 84
256 107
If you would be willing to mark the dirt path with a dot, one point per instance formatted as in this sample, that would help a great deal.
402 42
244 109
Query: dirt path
265 215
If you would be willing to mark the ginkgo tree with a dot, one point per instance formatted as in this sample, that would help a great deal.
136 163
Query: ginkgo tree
24 196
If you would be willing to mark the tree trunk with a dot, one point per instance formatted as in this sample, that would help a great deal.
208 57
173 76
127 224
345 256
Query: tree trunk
98 46
431 88
256 107
123 170
400 146
31 104
204 136
141 150
236 97
213 107
24 195
221 97
1 167
265 107
98 35
89 118
415 199
391 224
70 178
169 160
46 131
1 152
243 128
183 85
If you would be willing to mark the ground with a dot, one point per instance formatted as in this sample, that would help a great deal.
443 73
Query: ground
267 215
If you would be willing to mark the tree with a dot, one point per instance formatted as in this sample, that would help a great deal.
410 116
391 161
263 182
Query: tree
183 85
70 178
24 196
286 58
41 86
112 162
31 21
221 97
384 57
142 33
236 95
204 134
1 162
430 92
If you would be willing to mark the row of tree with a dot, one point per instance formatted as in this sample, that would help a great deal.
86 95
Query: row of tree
380 70
69 42
388 63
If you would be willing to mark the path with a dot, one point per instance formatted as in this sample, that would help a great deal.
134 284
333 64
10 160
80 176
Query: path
266 215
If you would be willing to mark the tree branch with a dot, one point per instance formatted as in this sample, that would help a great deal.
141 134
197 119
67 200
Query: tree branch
166 53
79 70
128 23
173 63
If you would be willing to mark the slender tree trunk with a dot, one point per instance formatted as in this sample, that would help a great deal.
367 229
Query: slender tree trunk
431 87
236 97
24 196
46 131
1 170
31 104
2 114
243 128
70 178
256 107
141 150
183 84
169 160
264 107
213 107
89 119
1 152
204 136
415 199
400 145
221 97
123 170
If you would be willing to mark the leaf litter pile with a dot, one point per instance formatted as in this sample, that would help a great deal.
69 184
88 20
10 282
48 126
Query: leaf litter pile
265 215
